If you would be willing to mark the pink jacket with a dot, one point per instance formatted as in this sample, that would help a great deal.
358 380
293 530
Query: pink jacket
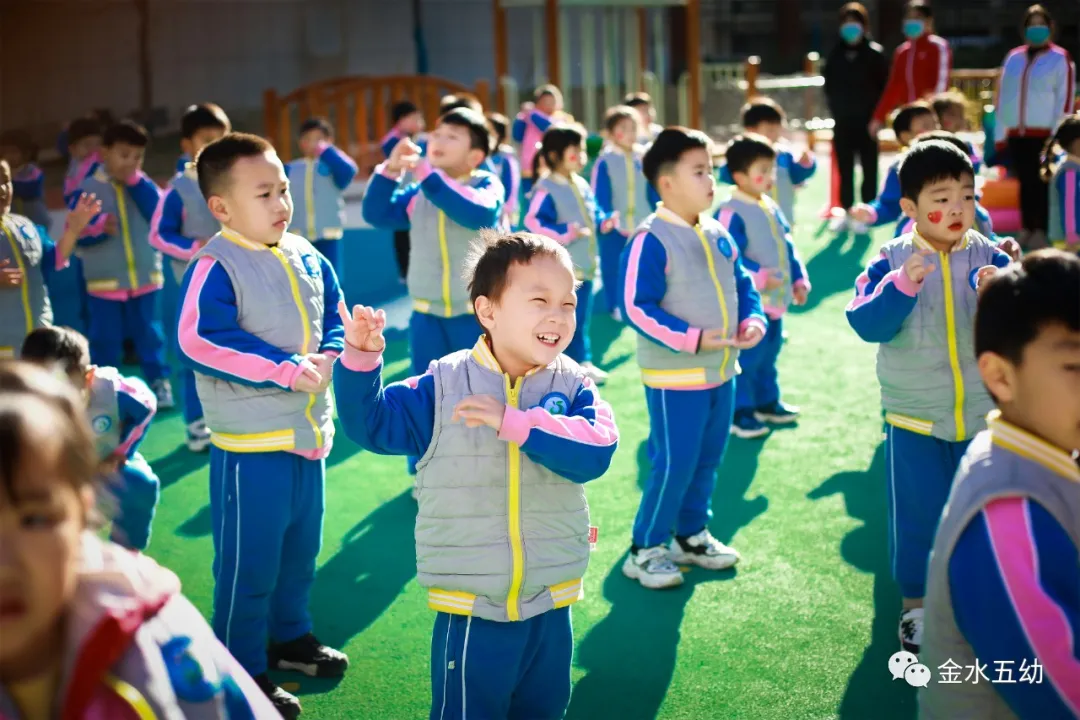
139 649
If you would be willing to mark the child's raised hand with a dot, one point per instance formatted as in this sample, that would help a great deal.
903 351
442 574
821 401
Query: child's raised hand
985 272
799 294
917 267
10 277
363 327
1010 247
404 156
479 410
581 231
84 211
774 279
611 223
806 158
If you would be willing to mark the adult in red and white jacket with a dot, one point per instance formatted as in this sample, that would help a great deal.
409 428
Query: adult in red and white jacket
921 66
1036 90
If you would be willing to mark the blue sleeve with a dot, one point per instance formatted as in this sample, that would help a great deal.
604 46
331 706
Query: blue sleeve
736 228
333 331
542 218
602 186
983 222
540 120
517 129
800 173
1070 216
182 162
1014 577
210 338
643 284
170 223
506 177
471 206
600 215
48 256
577 445
749 298
136 407
998 260
886 206
385 204
145 194
388 145
723 175
798 270
398 419
879 308
341 166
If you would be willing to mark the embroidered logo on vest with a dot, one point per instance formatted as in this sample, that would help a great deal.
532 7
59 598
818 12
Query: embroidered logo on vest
311 264
725 247
555 403
101 424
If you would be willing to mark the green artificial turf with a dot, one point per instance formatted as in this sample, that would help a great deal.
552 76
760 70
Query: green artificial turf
803 628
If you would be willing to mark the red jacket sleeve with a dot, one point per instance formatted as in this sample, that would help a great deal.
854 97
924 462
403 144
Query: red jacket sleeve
894 88
939 66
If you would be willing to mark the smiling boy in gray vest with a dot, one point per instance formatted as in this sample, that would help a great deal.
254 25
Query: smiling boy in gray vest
694 308
509 432
122 270
763 235
621 191
317 181
181 225
256 324
1003 590
917 301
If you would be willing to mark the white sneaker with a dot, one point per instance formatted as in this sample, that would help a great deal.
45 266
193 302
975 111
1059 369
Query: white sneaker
163 392
704 551
198 436
911 627
652 567
594 373
838 223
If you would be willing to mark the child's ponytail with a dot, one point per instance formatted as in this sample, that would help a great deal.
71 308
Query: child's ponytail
1066 133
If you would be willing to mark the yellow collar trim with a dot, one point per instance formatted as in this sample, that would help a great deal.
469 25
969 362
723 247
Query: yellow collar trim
235 237
483 355
673 217
923 243
738 194
1023 443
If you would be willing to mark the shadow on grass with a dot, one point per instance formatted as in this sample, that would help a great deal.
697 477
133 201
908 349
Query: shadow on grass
834 268
178 464
630 655
605 331
871 691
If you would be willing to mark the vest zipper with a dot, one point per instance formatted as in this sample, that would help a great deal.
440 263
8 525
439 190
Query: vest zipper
517 543
444 250
25 287
309 198
305 322
590 222
719 289
954 356
125 235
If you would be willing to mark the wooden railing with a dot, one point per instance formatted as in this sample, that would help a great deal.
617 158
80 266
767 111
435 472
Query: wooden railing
358 108
978 86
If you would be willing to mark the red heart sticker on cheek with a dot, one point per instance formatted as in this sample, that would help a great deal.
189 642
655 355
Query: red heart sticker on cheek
934 216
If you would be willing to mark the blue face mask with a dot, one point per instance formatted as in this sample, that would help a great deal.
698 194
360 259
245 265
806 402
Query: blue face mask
851 32
1036 34
914 28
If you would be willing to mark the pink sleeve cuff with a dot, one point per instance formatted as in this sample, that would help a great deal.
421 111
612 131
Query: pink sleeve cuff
300 368
803 283
905 284
135 178
752 322
760 277
693 338
873 213
333 354
515 426
61 261
359 360
422 170
321 147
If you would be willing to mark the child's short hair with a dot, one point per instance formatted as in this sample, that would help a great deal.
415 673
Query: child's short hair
21 141
557 139
317 123
931 161
922 8
402 110
487 267
618 114
126 132
27 391
62 347
745 150
762 110
942 103
201 117
944 136
479 138
214 163
1066 133
462 100
500 125
638 99
855 11
1018 301
668 148
548 89
906 115
82 128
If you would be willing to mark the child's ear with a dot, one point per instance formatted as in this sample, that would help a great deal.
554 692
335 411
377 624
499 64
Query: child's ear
218 208
998 375
485 312
475 157
909 208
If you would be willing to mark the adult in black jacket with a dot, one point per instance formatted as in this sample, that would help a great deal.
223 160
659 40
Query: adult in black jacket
855 75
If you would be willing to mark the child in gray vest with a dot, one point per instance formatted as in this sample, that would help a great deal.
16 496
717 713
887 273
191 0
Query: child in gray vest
694 307
763 116
317 182
256 324
1003 592
181 225
505 161
621 192
564 209
917 301
509 432
28 179
761 232
1064 179
122 270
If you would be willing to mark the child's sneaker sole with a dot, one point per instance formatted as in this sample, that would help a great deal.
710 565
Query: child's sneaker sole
746 434
714 562
198 445
651 581
777 419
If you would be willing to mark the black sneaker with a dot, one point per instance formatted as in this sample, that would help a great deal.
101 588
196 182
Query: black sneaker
307 655
284 702
778 413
